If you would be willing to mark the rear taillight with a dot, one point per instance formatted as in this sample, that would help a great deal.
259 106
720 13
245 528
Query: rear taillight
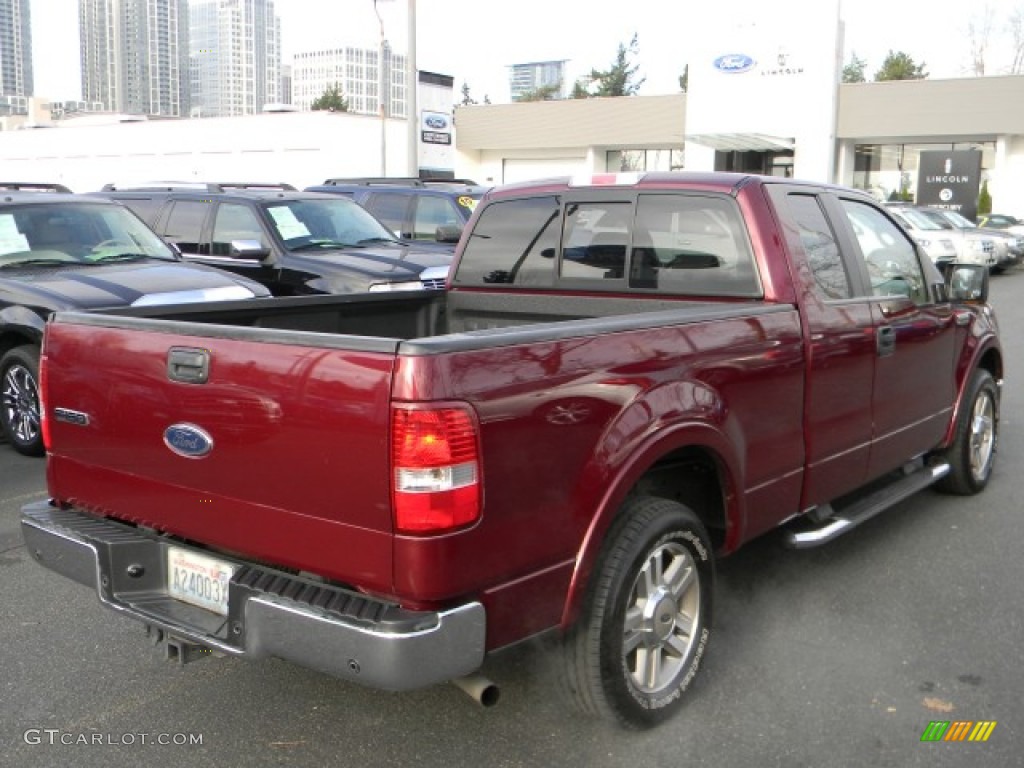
44 423
435 460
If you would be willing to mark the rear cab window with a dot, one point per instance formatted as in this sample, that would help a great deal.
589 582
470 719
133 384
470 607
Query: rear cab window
660 242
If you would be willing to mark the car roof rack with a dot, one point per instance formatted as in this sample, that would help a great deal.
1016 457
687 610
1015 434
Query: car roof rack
400 181
32 186
199 186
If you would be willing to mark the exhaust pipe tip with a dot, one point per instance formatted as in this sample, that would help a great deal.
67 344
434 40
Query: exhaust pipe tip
479 688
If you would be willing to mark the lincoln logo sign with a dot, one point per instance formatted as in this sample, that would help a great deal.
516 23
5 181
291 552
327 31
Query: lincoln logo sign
734 63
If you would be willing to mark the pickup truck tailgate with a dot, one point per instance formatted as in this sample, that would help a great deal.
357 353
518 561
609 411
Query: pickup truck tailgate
272 451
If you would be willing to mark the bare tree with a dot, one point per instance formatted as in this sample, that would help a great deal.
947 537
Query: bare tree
979 34
1015 28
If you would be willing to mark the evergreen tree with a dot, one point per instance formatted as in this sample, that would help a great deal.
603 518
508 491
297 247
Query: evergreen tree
899 66
620 78
331 100
854 71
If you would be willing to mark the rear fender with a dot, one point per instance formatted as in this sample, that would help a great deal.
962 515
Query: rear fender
644 454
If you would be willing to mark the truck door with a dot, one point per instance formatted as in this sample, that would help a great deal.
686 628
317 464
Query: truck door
841 350
914 381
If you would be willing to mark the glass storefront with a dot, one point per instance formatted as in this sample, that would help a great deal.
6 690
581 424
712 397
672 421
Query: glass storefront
889 171
618 160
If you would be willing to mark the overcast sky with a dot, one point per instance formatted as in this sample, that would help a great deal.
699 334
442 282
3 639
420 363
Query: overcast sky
475 41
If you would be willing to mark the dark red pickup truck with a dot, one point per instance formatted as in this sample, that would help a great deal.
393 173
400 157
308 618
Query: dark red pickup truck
627 378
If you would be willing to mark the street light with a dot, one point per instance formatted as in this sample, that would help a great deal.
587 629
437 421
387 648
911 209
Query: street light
381 90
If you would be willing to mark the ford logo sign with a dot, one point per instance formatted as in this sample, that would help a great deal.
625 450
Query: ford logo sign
734 63
188 440
436 122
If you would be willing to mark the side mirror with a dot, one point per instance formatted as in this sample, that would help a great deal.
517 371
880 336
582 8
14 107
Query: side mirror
967 283
448 233
248 249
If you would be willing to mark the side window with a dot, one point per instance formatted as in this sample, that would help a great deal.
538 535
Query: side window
513 242
146 208
892 265
595 240
691 244
185 224
235 222
390 208
433 212
819 244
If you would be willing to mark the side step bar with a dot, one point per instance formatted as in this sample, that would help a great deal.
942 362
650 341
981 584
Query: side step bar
864 509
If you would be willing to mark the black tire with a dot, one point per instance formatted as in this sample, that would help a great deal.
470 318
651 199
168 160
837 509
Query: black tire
19 400
973 452
604 658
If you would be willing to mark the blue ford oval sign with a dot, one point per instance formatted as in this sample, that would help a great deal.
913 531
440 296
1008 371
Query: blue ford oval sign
188 440
734 63
436 122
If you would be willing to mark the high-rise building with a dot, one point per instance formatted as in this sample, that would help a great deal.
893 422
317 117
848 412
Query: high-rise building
15 48
356 71
235 56
135 55
531 77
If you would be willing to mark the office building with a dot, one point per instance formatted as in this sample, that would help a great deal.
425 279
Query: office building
134 55
15 48
357 71
235 56
529 78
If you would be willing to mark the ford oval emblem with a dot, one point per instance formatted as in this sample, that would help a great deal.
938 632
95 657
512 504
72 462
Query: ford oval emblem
188 440
436 122
734 63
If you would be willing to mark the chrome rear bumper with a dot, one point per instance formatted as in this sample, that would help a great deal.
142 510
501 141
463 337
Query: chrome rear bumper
271 613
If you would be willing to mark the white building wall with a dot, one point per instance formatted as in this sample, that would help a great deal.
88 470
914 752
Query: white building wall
294 147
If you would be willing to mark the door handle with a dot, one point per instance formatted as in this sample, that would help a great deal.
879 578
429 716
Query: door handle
885 340
188 365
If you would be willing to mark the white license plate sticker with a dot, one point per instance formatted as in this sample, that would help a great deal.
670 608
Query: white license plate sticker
198 579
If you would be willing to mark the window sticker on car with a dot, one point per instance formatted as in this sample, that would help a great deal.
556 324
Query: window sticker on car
467 202
287 224
11 240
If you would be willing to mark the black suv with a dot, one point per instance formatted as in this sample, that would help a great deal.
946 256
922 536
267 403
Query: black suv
60 251
292 242
423 210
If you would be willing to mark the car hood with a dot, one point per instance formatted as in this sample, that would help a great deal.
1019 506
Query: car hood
117 285
397 262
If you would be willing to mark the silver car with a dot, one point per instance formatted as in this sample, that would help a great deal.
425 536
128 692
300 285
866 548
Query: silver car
1009 245
970 246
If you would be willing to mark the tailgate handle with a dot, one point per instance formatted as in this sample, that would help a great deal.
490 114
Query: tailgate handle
188 365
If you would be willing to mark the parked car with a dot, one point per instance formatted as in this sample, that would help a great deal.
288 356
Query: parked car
1002 222
929 234
60 251
423 210
291 241
1009 246
972 247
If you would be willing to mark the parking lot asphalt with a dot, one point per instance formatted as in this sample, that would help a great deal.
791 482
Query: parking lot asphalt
838 656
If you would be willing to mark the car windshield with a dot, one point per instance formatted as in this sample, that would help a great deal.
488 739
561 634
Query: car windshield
336 222
77 233
959 221
936 217
467 203
918 220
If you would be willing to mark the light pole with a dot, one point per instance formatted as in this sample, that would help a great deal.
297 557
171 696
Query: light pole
412 78
382 90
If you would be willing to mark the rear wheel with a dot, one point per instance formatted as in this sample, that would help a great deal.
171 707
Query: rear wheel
646 618
19 400
973 452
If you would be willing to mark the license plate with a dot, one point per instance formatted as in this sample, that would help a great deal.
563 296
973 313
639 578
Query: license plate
198 579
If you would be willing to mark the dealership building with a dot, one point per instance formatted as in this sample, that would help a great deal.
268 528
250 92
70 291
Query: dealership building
771 102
